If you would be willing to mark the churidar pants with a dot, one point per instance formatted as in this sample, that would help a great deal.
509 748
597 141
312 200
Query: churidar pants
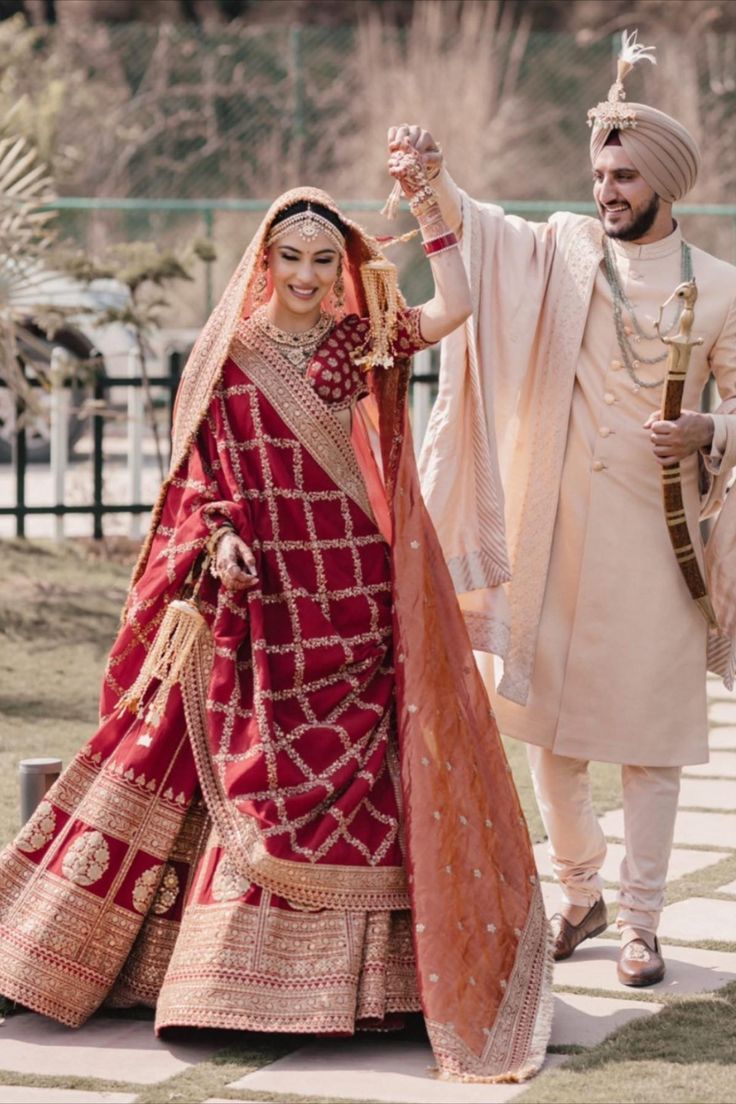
578 846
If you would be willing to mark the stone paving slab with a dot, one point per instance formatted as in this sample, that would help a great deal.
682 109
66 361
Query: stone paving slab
722 763
690 970
722 712
682 861
730 888
116 1049
702 793
722 737
699 918
370 1068
704 829
26 1094
586 1021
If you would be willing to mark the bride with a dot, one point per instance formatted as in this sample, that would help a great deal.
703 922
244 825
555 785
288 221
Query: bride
296 814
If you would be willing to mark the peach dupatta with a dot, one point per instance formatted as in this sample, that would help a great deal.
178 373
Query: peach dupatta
480 932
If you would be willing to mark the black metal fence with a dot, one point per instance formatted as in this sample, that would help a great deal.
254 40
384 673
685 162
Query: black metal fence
423 390
102 384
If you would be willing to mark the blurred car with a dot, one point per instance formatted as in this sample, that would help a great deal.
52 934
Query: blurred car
89 349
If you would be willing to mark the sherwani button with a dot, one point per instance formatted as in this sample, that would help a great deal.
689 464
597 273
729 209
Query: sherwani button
604 431
598 465
616 365
609 399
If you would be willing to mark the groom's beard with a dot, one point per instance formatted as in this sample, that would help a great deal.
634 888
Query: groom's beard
641 225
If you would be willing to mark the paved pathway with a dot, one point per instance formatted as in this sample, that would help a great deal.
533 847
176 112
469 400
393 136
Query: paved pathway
589 1003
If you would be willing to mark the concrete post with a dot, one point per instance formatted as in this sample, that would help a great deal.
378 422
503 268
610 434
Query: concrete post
37 776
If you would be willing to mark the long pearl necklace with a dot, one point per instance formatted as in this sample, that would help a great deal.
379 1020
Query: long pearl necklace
297 348
632 359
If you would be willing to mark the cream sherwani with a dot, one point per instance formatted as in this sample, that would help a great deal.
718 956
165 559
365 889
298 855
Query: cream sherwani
542 484
619 673
604 650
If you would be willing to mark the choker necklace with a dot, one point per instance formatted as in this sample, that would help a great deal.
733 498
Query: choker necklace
297 348
630 357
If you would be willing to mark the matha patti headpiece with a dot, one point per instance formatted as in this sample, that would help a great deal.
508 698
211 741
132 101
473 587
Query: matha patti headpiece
308 224
614 113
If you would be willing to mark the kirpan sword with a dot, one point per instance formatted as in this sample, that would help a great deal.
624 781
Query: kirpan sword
678 359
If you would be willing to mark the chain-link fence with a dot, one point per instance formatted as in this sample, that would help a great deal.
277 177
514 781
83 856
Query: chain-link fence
175 112
242 110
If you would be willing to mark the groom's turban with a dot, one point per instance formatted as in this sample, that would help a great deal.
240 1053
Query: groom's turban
663 150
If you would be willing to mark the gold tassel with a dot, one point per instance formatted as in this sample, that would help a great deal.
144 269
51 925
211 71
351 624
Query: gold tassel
390 209
183 634
381 287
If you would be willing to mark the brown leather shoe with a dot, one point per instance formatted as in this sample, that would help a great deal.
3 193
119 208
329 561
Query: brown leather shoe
639 965
566 936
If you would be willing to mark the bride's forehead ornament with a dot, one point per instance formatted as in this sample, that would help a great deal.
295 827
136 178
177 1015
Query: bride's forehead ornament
308 224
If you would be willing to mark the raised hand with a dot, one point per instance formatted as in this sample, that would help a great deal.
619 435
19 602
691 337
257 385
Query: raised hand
419 139
406 165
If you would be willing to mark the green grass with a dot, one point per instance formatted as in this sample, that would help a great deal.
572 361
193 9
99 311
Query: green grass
59 611
681 1055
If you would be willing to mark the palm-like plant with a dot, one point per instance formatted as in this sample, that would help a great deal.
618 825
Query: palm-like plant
25 239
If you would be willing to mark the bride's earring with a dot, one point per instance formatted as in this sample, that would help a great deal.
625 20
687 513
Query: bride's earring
261 283
338 293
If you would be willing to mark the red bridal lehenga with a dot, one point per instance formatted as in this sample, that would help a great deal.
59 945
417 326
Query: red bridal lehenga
311 827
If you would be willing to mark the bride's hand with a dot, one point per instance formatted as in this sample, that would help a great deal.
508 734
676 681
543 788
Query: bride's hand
406 165
235 565
422 141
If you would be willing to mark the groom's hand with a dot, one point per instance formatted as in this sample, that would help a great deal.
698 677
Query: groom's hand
420 140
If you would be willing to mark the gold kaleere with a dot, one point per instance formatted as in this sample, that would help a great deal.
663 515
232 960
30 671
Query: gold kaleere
390 209
183 637
381 287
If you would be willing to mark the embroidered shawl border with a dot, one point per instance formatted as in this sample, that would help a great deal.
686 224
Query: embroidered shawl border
517 1039
307 416
578 264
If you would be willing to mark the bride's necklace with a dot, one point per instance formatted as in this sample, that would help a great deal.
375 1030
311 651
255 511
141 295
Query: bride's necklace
297 348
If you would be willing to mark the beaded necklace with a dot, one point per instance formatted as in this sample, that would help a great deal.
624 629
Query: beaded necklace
631 359
297 348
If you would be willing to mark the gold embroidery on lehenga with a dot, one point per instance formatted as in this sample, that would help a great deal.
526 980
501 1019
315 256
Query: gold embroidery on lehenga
145 887
265 968
228 884
39 829
168 891
87 859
